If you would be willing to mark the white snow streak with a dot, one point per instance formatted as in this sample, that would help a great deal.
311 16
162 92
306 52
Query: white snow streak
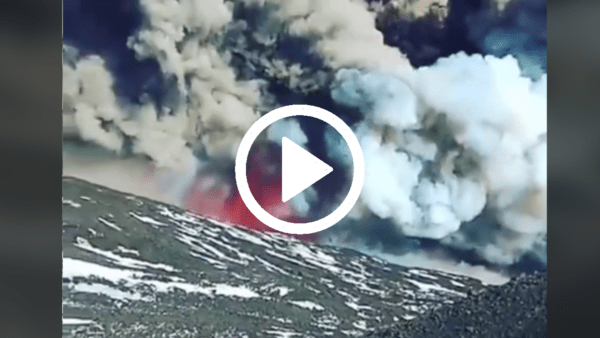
109 224
147 220
71 203
307 305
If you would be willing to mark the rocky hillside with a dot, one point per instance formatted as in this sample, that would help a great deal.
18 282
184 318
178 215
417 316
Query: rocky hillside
516 309
133 267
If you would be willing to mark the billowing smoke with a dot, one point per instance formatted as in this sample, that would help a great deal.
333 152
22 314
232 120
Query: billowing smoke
454 142
469 134
343 31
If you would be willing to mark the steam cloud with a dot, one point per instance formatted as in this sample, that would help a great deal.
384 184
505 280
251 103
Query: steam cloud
479 128
455 150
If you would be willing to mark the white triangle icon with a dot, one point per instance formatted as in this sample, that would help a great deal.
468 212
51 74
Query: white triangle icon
300 169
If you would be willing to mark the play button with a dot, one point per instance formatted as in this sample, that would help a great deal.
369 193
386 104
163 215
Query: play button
300 169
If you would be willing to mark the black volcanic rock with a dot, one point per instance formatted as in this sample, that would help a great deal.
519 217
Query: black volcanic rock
133 267
515 309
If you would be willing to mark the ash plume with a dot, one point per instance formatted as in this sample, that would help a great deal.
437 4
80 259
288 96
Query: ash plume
454 142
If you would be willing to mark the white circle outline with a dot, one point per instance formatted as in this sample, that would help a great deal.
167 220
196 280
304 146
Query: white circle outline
242 158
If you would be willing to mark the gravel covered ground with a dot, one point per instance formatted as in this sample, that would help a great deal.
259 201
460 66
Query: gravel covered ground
515 309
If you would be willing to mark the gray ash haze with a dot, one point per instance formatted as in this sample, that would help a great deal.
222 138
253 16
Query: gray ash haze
447 98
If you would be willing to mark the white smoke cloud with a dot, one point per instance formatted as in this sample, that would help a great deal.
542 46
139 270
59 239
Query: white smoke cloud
502 117
390 177
497 120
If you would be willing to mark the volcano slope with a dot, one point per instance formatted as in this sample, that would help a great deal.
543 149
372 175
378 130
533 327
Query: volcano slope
133 267
516 309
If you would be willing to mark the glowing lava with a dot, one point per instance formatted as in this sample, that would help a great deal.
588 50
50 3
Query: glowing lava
216 197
